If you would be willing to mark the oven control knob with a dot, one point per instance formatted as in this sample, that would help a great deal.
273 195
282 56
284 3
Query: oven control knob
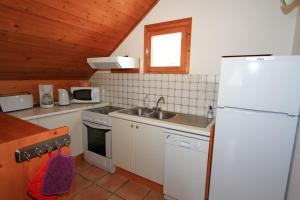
87 118
98 121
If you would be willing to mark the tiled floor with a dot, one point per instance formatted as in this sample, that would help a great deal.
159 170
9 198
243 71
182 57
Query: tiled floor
92 183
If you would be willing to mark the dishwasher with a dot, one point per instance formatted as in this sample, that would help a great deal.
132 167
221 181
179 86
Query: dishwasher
185 168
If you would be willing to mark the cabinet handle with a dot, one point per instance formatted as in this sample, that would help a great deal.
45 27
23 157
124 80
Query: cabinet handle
136 126
131 126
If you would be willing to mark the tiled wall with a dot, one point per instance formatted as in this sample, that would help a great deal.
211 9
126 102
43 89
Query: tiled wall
183 93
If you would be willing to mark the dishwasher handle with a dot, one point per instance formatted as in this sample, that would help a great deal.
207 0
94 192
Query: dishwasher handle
174 140
185 145
192 144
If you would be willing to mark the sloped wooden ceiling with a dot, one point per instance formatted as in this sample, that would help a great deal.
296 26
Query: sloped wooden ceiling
51 39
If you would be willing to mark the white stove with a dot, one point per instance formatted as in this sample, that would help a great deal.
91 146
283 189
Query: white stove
97 137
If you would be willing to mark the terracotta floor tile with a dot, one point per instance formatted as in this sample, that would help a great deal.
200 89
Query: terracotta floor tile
79 183
112 182
93 173
81 165
93 192
114 197
154 195
133 191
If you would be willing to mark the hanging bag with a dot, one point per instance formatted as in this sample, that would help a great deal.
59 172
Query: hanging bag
59 175
35 184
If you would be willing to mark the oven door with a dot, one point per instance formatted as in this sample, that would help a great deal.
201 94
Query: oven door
97 138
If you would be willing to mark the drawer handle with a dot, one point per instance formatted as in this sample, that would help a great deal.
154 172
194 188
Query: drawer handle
137 127
132 126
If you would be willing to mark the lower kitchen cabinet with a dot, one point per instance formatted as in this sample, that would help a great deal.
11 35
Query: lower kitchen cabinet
138 148
123 134
73 121
149 152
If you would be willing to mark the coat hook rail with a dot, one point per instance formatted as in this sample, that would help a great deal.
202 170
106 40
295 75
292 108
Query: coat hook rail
37 150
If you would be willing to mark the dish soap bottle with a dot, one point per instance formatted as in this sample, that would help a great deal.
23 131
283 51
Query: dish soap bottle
146 101
210 113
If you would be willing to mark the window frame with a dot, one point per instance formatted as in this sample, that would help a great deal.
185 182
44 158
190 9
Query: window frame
182 25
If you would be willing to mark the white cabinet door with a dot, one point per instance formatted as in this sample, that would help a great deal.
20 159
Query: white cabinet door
123 132
73 121
149 152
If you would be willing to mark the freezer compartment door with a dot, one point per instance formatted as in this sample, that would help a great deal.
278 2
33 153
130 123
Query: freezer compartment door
261 83
251 155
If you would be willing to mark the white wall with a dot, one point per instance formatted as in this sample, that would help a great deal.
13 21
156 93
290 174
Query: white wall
223 27
296 48
294 184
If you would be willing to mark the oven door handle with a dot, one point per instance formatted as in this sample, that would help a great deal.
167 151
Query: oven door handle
96 126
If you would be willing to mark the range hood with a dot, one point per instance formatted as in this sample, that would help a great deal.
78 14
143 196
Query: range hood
116 62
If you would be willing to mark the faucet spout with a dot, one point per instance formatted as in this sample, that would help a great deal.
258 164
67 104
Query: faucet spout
160 99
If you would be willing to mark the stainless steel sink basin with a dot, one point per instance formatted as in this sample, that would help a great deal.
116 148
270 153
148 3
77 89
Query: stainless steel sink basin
162 115
149 113
177 118
138 111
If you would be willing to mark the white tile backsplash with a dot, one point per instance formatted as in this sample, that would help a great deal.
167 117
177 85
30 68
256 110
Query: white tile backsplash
183 93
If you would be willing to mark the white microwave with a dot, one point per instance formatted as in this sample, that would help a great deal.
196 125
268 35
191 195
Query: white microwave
86 94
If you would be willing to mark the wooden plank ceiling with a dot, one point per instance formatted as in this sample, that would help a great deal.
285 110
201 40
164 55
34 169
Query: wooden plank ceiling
51 39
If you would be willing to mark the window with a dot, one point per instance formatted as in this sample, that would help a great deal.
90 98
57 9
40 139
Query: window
167 47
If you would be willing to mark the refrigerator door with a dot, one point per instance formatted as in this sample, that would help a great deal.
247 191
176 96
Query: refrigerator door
256 82
251 155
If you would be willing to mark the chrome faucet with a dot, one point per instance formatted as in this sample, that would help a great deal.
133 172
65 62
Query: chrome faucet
160 99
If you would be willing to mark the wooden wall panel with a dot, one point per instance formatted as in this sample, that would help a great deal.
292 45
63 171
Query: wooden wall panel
10 87
15 176
45 40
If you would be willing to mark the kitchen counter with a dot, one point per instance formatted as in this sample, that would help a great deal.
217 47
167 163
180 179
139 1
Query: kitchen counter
166 124
15 134
12 128
38 112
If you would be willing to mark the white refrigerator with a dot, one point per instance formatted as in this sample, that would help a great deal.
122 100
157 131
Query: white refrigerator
257 115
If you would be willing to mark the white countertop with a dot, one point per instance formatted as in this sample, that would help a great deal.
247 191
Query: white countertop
165 124
38 112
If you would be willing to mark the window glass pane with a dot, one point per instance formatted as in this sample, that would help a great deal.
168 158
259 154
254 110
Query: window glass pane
166 50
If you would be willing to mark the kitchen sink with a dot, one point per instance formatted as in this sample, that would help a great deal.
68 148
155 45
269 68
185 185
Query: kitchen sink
177 118
162 115
149 113
139 111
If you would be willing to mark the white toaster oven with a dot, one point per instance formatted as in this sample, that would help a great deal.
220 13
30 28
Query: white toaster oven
15 102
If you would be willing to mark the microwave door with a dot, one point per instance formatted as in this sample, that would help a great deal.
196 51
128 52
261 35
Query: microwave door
82 94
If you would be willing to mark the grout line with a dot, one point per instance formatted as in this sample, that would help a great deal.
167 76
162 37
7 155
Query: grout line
147 193
126 182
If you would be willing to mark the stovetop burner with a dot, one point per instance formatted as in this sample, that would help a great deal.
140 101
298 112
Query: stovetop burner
105 110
